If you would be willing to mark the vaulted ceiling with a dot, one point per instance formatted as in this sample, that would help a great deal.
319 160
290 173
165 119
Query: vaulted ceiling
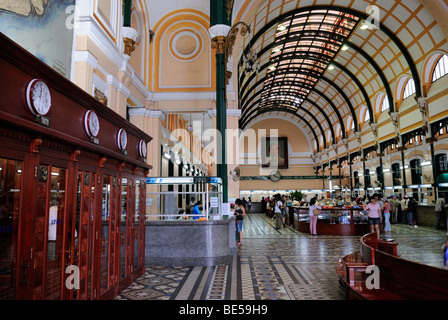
327 66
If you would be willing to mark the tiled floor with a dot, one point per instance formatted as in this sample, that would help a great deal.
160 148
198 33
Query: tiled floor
277 265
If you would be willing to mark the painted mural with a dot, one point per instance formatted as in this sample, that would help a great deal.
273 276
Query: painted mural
43 27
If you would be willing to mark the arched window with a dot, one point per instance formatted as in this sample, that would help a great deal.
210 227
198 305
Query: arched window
367 117
349 124
385 104
441 68
364 114
338 131
409 90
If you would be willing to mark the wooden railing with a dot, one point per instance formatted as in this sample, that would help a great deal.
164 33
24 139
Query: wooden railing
398 279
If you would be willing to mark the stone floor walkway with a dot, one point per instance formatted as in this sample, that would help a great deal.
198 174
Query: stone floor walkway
277 265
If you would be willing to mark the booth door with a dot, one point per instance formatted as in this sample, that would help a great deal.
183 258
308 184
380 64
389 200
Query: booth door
47 266
139 227
126 232
11 272
108 231
82 252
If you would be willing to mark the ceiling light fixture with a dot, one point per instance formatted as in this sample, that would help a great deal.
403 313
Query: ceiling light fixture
364 26
344 47
281 27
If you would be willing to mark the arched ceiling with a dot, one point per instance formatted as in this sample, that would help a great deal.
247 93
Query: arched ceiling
320 64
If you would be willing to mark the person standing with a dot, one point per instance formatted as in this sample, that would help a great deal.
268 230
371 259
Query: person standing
374 214
440 203
240 212
278 206
404 208
386 209
393 209
313 212
411 209
263 205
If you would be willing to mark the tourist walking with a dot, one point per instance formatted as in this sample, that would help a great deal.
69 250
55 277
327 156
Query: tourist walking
374 214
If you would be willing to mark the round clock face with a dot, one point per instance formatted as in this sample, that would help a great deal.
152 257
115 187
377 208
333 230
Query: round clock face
142 148
122 139
38 97
275 176
91 123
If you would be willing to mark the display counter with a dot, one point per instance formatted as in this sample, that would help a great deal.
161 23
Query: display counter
332 221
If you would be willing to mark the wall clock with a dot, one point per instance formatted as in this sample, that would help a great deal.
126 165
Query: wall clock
122 139
275 176
91 123
142 149
38 97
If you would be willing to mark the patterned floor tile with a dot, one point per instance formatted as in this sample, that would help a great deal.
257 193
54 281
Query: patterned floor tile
277 265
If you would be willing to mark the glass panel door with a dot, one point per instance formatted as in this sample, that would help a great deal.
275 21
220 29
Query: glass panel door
123 214
104 250
140 206
10 187
55 234
108 223
137 231
83 231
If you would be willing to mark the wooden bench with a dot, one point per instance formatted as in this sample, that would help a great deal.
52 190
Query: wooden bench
400 279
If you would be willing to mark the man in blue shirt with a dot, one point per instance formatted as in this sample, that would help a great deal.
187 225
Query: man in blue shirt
197 209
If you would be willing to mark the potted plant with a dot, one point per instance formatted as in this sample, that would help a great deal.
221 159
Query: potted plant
296 195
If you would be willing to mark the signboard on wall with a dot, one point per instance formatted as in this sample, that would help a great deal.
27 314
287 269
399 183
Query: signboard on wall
42 27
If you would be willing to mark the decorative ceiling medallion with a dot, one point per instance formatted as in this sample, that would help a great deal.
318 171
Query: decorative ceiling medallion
186 44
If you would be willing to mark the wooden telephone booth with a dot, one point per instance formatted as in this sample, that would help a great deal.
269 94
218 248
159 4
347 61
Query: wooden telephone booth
72 187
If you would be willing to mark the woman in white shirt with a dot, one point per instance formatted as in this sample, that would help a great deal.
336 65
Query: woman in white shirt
314 205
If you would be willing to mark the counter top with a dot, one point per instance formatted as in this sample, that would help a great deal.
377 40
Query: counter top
185 222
